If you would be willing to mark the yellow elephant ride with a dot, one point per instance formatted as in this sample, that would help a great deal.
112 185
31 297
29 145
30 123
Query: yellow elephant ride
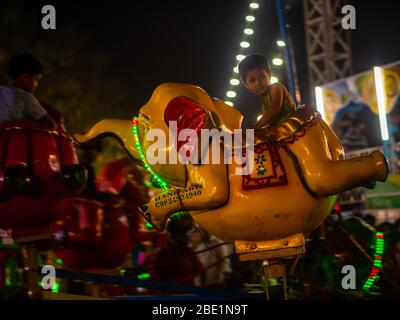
289 192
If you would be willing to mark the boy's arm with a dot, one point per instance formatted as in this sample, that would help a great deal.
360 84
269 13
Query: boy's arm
47 122
34 110
276 105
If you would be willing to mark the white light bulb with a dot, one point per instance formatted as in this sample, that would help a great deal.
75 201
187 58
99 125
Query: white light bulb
281 43
254 5
277 61
240 57
250 18
248 31
244 44
234 82
229 103
231 94
274 80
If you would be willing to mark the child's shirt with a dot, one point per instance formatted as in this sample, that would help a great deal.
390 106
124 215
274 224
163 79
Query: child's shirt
17 104
288 106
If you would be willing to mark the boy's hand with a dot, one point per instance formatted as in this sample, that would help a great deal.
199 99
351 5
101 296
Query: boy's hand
264 135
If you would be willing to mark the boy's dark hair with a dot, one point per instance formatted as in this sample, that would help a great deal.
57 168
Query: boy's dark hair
253 61
23 63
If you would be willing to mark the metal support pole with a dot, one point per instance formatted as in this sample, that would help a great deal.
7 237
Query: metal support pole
280 7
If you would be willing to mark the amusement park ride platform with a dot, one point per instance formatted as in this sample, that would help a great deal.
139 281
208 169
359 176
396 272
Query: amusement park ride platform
28 247
272 252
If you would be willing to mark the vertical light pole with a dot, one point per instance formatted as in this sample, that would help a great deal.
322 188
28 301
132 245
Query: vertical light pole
381 99
280 7
319 97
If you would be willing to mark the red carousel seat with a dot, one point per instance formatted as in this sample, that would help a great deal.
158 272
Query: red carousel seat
39 176
96 235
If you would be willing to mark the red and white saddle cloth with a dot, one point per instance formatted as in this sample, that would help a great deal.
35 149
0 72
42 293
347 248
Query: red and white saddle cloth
269 170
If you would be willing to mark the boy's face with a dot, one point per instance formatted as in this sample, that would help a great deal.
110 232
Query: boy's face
28 82
257 81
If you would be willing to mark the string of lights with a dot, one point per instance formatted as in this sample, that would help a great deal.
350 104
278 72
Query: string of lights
155 176
244 45
374 274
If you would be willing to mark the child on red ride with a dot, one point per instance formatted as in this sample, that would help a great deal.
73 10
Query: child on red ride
17 100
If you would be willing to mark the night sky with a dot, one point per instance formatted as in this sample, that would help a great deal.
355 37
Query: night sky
150 42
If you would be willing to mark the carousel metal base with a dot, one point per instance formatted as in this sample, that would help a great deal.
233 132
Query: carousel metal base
273 252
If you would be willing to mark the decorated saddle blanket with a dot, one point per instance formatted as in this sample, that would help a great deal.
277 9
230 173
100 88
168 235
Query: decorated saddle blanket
290 130
269 170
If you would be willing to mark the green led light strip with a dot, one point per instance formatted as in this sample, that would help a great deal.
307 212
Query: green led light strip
143 276
374 274
55 288
164 185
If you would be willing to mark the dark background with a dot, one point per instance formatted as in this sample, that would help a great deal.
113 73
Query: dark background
106 57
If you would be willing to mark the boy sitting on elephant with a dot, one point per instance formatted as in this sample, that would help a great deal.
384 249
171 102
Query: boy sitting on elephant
277 102
311 154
